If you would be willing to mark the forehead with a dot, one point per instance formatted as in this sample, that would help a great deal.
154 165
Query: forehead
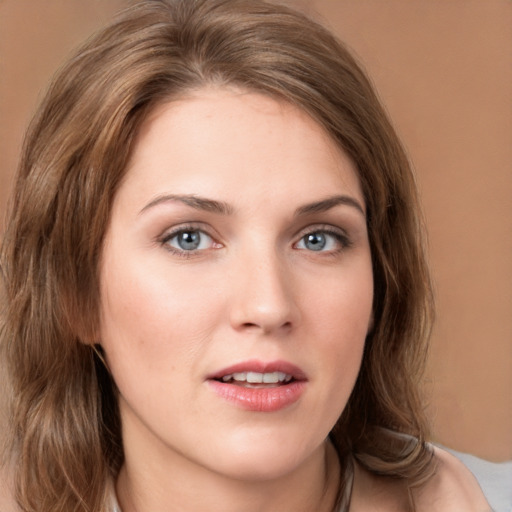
218 137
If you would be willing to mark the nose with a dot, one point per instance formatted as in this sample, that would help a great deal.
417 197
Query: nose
264 299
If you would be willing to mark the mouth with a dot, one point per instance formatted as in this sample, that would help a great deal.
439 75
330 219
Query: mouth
257 380
258 386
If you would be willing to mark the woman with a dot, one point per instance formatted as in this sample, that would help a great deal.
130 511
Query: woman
216 291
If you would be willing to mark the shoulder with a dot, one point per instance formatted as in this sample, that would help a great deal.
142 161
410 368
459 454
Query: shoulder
374 493
452 488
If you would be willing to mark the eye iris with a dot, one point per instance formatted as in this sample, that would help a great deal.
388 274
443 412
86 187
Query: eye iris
189 240
315 241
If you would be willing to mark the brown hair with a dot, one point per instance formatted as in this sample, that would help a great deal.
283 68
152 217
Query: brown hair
65 426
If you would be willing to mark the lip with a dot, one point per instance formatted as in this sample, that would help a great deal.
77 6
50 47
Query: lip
264 399
261 367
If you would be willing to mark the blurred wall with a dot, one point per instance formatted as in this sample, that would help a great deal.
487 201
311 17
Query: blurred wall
444 72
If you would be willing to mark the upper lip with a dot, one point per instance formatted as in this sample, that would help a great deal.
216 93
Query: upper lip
261 367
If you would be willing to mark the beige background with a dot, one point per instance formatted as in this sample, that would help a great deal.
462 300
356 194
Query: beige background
444 71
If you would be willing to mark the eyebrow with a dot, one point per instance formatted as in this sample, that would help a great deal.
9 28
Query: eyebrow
327 204
222 208
196 202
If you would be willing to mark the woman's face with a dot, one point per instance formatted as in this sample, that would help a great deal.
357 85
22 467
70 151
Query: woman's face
236 286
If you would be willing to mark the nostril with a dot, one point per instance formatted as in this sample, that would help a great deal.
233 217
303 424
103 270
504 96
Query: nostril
249 325
267 327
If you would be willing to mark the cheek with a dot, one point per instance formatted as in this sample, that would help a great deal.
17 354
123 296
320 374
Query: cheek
147 324
344 306
335 332
342 316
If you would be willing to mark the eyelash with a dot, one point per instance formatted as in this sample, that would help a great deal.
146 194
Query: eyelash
167 237
340 237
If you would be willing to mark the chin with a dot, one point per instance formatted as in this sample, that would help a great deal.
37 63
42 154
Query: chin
259 471
260 461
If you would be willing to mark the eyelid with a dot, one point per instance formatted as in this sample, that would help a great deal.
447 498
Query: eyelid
340 234
337 232
170 233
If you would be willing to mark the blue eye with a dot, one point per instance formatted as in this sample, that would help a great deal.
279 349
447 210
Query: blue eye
318 241
189 240
315 241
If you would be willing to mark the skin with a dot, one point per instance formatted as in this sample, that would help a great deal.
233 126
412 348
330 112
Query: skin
452 489
253 290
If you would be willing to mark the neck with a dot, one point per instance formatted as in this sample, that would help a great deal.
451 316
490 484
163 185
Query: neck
184 487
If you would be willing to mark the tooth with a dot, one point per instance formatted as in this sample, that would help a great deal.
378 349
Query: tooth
271 378
258 378
254 377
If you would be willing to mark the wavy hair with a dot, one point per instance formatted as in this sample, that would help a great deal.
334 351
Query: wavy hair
65 436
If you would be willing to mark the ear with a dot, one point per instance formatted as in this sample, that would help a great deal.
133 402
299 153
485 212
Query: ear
86 326
86 334
81 317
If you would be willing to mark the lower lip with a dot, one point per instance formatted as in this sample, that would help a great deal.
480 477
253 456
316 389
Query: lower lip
259 399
